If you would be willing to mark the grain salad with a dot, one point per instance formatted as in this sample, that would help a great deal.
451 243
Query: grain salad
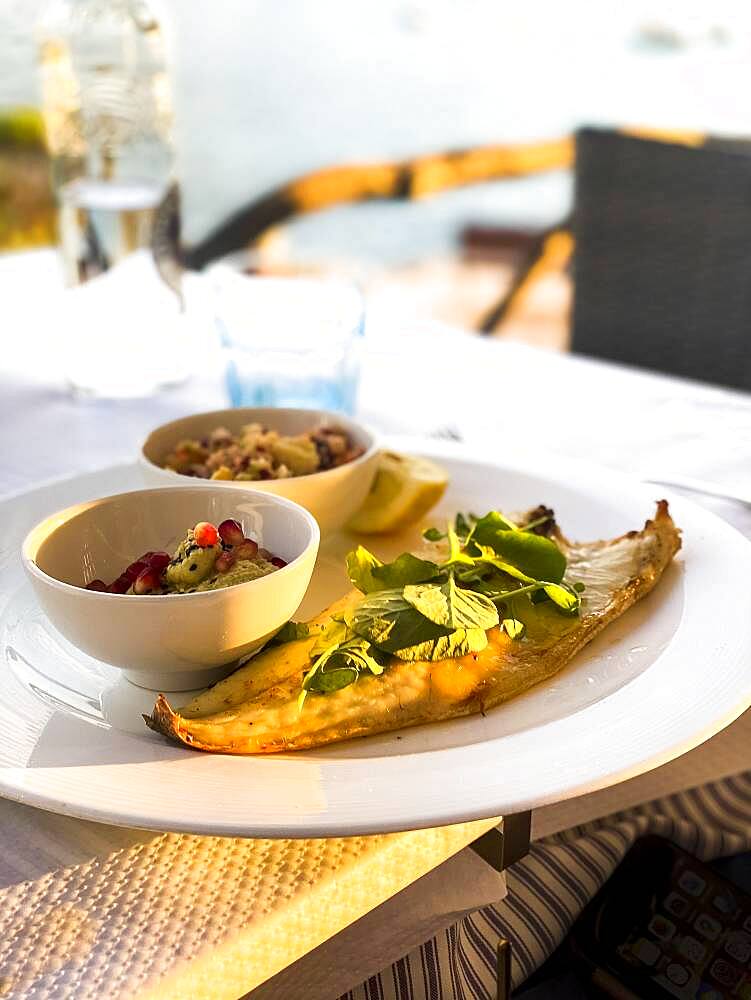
257 452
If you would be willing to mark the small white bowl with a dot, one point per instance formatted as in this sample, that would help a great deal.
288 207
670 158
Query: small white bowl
171 642
332 496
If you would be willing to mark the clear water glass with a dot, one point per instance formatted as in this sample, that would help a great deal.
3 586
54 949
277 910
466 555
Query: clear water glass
290 341
106 102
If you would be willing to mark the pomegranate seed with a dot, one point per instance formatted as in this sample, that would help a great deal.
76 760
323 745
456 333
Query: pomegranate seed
277 561
231 532
97 585
148 582
159 561
135 569
120 585
205 534
247 550
224 562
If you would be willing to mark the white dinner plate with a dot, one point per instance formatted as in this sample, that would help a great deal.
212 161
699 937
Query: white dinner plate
669 674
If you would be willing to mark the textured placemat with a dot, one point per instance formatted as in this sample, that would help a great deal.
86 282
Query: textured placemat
201 918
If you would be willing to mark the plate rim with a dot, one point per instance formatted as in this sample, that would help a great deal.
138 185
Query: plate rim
537 464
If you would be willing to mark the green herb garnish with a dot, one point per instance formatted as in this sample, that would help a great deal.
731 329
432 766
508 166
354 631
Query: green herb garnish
457 555
417 609
360 566
452 606
447 647
406 570
369 574
536 557
391 623
513 628
333 633
291 632
565 597
339 666
462 526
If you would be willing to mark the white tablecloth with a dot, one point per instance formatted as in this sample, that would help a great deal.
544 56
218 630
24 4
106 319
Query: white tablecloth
417 378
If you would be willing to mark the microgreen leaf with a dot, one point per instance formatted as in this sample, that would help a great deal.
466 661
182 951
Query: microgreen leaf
456 557
407 569
334 679
370 575
534 556
488 557
513 628
431 601
452 606
446 647
565 597
291 632
360 566
463 524
338 666
485 527
334 632
390 622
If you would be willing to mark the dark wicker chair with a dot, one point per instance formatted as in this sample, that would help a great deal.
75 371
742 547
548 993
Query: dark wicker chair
662 265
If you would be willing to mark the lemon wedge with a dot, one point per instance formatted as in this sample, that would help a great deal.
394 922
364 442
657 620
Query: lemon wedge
404 489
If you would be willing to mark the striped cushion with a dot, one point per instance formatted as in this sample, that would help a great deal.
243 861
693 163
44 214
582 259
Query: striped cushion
549 888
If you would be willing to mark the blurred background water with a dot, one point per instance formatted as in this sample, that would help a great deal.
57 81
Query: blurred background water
286 88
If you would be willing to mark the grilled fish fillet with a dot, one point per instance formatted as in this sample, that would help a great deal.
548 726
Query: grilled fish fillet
255 710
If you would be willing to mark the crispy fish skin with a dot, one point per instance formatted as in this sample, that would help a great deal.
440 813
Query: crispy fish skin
255 709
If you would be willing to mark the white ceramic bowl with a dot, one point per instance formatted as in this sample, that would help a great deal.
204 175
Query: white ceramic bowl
331 496
172 642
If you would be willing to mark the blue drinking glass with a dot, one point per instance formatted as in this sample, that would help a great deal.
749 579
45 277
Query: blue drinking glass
290 341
